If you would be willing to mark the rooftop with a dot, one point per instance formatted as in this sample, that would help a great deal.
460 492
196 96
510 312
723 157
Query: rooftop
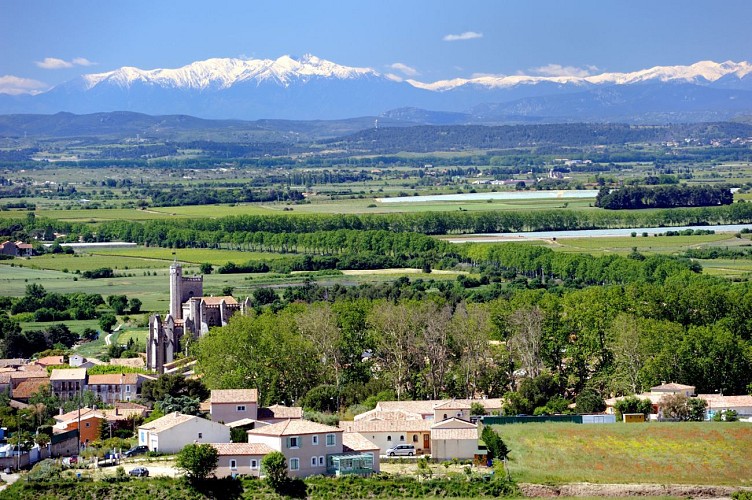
68 374
387 426
454 434
279 411
50 361
114 379
673 386
242 448
168 421
215 301
293 428
353 441
234 396
30 386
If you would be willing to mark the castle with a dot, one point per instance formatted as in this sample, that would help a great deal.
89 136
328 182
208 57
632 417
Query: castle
190 313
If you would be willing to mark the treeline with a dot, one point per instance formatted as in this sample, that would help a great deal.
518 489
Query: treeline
206 196
554 346
669 196
51 306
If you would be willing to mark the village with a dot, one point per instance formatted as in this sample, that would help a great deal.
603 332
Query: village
243 432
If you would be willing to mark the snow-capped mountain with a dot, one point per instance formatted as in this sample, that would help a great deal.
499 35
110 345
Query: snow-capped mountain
313 88
224 73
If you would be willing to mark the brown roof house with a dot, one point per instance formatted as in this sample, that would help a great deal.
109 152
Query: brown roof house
229 405
240 459
114 387
388 433
68 382
169 434
313 448
454 438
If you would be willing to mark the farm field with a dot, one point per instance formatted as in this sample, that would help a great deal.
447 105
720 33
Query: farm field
77 326
706 453
648 245
161 257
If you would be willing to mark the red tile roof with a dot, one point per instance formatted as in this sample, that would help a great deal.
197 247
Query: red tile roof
28 387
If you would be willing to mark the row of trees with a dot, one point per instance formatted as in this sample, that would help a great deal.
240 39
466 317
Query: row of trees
671 196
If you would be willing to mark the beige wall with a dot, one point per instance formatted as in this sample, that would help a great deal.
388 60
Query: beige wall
447 449
439 414
242 465
304 453
228 412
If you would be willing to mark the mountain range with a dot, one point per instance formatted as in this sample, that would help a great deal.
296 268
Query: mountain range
310 88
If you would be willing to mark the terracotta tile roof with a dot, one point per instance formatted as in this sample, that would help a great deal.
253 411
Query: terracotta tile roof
25 389
234 396
293 428
167 422
215 301
243 422
205 405
454 404
127 405
242 448
132 362
279 411
113 379
5 377
718 401
454 423
673 387
454 434
388 415
353 441
366 426
50 361
428 407
68 374
12 362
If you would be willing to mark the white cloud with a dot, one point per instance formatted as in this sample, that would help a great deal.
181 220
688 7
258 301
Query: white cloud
15 85
559 70
55 63
467 35
405 69
82 61
393 77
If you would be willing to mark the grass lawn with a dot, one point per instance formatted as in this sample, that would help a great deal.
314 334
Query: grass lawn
709 453
75 325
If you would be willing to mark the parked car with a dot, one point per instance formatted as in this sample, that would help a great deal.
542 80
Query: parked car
139 472
136 450
110 456
401 449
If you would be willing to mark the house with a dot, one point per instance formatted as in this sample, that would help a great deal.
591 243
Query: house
229 405
27 387
454 438
115 386
9 248
50 361
719 403
388 415
355 444
169 434
655 395
435 409
310 448
67 382
78 361
240 459
278 413
388 433
12 362
88 424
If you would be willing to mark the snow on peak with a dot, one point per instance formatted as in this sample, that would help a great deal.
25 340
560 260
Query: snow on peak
700 72
223 73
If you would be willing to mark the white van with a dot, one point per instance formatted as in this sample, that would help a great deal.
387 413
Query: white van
401 449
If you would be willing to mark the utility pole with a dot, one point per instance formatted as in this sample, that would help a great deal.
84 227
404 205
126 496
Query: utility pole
79 421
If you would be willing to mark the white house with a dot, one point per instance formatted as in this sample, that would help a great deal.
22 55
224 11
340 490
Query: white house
388 433
454 438
169 434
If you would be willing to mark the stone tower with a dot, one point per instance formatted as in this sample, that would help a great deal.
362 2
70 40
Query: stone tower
176 289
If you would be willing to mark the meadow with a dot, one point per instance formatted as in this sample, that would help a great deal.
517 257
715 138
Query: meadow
706 453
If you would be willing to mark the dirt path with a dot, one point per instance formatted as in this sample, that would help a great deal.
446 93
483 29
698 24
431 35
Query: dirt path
627 490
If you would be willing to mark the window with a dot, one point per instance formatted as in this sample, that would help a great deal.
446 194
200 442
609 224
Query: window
415 438
293 442
254 463
445 416
87 424
233 465
402 438
200 435
331 440
321 461
127 388
240 408
389 438
294 463
313 461
314 440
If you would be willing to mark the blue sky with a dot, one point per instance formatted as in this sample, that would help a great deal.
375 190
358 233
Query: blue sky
46 42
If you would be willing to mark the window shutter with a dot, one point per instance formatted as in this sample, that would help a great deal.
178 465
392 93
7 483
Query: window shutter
288 442
300 442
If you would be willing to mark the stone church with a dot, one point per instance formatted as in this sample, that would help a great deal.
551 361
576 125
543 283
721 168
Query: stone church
190 314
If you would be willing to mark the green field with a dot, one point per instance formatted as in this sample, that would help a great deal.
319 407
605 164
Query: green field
648 245
708 453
